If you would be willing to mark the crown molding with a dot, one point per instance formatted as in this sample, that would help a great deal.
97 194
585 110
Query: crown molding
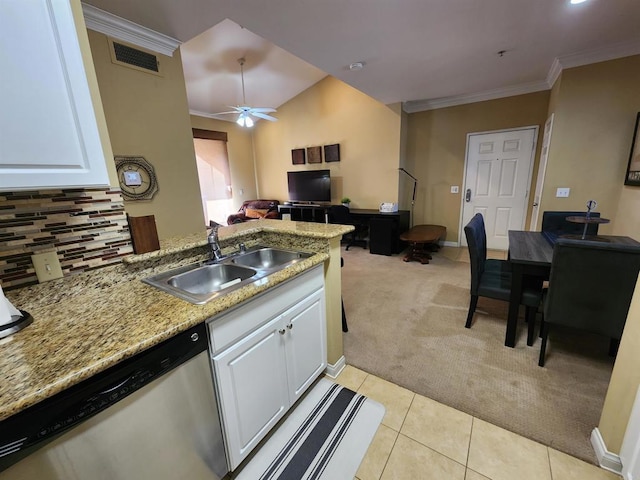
122 29
602 54
554 72
610 52
423 105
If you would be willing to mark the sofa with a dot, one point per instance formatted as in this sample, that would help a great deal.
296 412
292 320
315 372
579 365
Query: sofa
255 209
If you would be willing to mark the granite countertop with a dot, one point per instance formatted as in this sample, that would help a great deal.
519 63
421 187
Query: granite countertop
86 323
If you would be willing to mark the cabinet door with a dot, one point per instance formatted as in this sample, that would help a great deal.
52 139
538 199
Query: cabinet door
252 388
49 135
306 343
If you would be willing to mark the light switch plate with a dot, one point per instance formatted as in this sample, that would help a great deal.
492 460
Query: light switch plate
455 188
562 192
47 266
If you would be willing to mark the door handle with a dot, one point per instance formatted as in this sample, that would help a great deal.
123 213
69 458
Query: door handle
467 196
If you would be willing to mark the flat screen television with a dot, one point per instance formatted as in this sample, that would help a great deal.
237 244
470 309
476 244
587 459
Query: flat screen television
309 186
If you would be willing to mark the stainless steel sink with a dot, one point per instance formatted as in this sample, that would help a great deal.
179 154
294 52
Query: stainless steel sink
210 278
268 258
201 282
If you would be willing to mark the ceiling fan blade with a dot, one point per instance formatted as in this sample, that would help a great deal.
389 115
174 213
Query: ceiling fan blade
263 110
224 113
266 117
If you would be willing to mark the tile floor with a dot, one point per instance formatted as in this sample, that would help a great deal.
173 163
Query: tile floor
421 439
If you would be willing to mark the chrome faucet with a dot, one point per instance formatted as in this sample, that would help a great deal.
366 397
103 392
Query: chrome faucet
212 240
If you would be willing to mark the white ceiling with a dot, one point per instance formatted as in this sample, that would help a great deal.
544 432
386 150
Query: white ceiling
417 51
272 76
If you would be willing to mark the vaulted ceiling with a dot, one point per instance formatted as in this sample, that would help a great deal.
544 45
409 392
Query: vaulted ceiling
426 53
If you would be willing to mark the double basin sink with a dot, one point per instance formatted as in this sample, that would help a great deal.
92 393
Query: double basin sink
202 282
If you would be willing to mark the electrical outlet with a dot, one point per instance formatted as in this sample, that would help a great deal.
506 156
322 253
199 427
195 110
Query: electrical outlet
47 266
455 188
562 192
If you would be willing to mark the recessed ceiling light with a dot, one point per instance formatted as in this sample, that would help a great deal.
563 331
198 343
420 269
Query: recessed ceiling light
355 66
574 2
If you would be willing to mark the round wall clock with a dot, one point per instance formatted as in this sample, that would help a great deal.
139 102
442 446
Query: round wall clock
137 178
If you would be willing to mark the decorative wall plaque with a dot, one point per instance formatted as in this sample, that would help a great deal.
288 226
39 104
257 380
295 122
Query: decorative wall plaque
297 156
314 154
332 153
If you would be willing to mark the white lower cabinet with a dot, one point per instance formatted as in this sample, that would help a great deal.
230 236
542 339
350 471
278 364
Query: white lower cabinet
262 374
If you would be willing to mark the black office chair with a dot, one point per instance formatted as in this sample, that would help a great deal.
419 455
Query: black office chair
340 214
555 224
492 278
590 288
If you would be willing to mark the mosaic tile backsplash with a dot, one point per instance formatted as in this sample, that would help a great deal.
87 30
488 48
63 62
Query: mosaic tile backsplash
87 227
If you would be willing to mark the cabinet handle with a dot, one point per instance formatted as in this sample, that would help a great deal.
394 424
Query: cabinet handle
290 326
281 331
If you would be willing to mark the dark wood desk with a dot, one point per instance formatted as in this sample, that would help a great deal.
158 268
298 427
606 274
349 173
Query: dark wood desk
384 228
530 254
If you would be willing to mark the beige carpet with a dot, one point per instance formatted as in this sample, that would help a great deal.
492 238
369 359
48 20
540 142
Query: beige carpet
406 325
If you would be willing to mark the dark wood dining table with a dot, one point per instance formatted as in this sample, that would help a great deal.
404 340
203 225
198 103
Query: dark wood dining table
530 254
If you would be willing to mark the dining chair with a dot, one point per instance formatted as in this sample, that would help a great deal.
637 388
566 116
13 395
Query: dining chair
555 223
590 288
340 214
491 278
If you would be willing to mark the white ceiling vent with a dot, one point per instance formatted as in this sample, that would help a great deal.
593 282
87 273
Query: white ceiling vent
128 56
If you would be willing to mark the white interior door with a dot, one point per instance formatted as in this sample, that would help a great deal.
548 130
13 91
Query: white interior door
542 169
497 179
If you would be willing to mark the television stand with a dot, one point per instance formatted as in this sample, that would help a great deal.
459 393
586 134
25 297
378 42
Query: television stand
305 212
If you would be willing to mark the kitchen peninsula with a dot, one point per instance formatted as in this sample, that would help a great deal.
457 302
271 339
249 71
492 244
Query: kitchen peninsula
86 323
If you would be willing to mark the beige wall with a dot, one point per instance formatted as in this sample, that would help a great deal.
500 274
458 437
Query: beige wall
625 380
332 112
436 148
240 151
148 116
595 110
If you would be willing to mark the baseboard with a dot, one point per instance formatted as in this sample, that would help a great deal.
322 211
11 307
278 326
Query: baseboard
450 244
334 370
606 459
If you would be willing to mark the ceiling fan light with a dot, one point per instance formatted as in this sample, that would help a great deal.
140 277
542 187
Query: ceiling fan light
244 120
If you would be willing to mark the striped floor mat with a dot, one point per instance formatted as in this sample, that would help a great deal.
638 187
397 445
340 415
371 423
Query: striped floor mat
324 438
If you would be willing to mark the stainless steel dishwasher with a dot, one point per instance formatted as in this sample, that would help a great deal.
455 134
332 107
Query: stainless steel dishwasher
153 416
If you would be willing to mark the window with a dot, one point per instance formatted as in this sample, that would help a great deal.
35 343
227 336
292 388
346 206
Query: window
213 174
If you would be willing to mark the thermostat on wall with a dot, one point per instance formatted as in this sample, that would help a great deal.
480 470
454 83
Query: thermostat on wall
132 179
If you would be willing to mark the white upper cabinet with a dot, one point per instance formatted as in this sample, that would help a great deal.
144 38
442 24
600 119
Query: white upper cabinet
49 136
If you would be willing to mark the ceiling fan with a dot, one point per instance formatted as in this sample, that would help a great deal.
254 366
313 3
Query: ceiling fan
245 112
